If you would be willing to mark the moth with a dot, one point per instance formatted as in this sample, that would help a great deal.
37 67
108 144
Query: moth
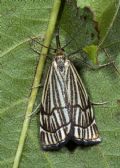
66 111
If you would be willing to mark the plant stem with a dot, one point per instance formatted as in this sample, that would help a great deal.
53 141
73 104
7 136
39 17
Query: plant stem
48 37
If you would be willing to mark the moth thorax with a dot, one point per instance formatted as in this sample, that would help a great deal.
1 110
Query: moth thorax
60 61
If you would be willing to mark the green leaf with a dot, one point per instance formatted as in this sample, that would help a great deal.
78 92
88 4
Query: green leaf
21 20
92 52
104 13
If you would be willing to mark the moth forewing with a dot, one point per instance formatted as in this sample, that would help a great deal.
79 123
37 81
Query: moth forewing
66 112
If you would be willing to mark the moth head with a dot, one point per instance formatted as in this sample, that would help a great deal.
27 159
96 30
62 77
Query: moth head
59 51
60 58
60 61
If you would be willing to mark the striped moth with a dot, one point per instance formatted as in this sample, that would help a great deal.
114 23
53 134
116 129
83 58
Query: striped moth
66 111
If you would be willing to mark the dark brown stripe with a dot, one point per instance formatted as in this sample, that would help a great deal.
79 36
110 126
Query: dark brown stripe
54 91
55 120
56 137
47 101
43 138
52 125
71 87
52 139
48 138
56 77
60 135
49 125
88 134
91 132
75 89
79 118
61 117
96 130
46 82
80 80
45 123
64 129
83 134
79 132
68 76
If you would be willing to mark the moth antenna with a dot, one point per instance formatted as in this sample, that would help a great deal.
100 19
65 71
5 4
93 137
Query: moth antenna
58 39
43 44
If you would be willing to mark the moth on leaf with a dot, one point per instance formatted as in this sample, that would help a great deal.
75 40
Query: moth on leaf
66 111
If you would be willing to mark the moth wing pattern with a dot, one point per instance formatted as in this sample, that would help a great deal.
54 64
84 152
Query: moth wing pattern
85 130
54 116
66 112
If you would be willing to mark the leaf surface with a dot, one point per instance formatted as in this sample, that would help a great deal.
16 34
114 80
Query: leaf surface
24 19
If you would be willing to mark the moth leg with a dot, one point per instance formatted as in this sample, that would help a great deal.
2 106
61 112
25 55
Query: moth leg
40 85
99 66
106 64
33 44
35 48
98 103
36 111
110 62
109 57
36 51
42 45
